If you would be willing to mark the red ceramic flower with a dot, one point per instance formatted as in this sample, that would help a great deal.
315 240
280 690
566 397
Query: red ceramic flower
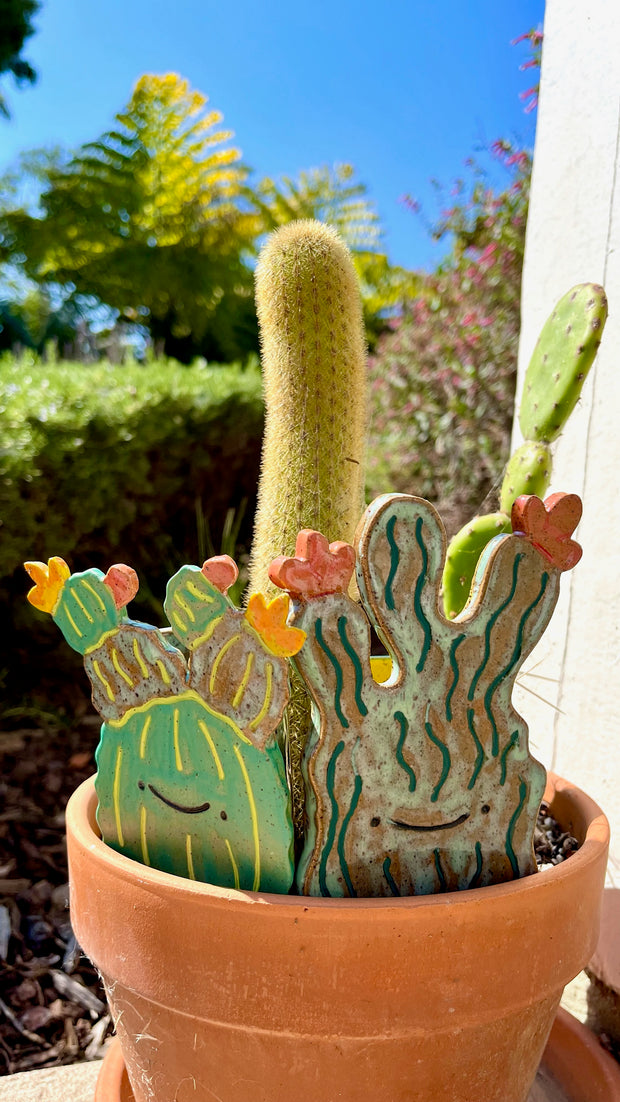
123 581
318 567
221 571
549 525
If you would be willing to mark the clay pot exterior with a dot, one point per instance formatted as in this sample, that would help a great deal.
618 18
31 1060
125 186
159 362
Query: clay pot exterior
231 996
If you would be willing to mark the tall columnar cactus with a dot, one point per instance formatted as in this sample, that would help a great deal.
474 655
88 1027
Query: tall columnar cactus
561 360
423 783
314 365
190 778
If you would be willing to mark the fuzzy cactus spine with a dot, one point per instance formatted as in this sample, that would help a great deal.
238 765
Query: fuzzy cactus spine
314 366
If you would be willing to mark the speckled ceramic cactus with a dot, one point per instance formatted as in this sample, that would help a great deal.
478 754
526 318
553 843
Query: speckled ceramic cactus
190 778
423 783
562 358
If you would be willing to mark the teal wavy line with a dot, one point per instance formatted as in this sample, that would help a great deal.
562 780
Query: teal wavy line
473 883
443 884
456 672
516 654
394 561
481 756
318 630
490 625
511 829
393 886
331 833
402 720
417 597
357 665
357 788
446 760
514 738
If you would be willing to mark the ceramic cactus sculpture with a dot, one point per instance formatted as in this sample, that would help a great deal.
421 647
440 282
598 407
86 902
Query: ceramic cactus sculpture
423 783
190 778
561 360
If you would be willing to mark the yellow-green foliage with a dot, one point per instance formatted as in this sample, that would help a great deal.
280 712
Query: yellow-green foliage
314 367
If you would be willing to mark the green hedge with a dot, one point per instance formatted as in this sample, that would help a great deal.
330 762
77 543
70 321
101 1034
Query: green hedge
104 464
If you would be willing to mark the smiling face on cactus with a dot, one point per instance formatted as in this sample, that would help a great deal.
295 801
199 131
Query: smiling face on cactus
181 789
190 778
423 783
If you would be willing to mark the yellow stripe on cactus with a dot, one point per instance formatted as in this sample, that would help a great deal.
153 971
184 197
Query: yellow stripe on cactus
188 854
254 817
267 701
49 581
269 622
143 843
216 756
243 684
235 867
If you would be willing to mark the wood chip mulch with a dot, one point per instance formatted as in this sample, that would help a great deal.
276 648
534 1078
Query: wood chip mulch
52 1005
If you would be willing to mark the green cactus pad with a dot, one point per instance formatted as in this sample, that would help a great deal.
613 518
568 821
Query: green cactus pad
86 610
181 789
563 355
193 606
528 472
464 551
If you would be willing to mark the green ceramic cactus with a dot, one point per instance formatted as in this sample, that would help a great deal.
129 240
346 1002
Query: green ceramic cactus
562 358
190 778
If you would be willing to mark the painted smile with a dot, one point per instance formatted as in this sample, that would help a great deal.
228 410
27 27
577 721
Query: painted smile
195 809
434 826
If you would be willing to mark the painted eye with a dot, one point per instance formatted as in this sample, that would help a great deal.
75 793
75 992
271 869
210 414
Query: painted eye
141 785
375 822
223 815
485 809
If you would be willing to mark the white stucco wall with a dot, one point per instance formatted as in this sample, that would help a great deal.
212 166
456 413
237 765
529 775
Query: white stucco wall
573 236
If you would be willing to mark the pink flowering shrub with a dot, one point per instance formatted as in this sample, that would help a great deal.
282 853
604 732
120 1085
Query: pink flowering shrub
442 378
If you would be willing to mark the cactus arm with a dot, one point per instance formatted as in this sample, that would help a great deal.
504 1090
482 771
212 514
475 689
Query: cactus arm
464 551
562 358
400 552
193 606
131 666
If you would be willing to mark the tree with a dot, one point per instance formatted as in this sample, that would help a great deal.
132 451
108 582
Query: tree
15 27
332 195
148 218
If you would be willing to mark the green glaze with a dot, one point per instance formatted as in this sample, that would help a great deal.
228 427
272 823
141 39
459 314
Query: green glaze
190 777
561 360
86 610
462 558
231 822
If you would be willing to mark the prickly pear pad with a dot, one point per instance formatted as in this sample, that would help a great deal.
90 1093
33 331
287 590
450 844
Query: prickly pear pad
190 777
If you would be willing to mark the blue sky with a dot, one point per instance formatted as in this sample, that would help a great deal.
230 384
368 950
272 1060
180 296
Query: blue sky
404 90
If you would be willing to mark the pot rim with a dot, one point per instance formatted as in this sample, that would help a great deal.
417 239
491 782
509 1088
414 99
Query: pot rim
591 829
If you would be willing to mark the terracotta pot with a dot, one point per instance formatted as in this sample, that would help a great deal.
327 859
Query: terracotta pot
574 1067
231 996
